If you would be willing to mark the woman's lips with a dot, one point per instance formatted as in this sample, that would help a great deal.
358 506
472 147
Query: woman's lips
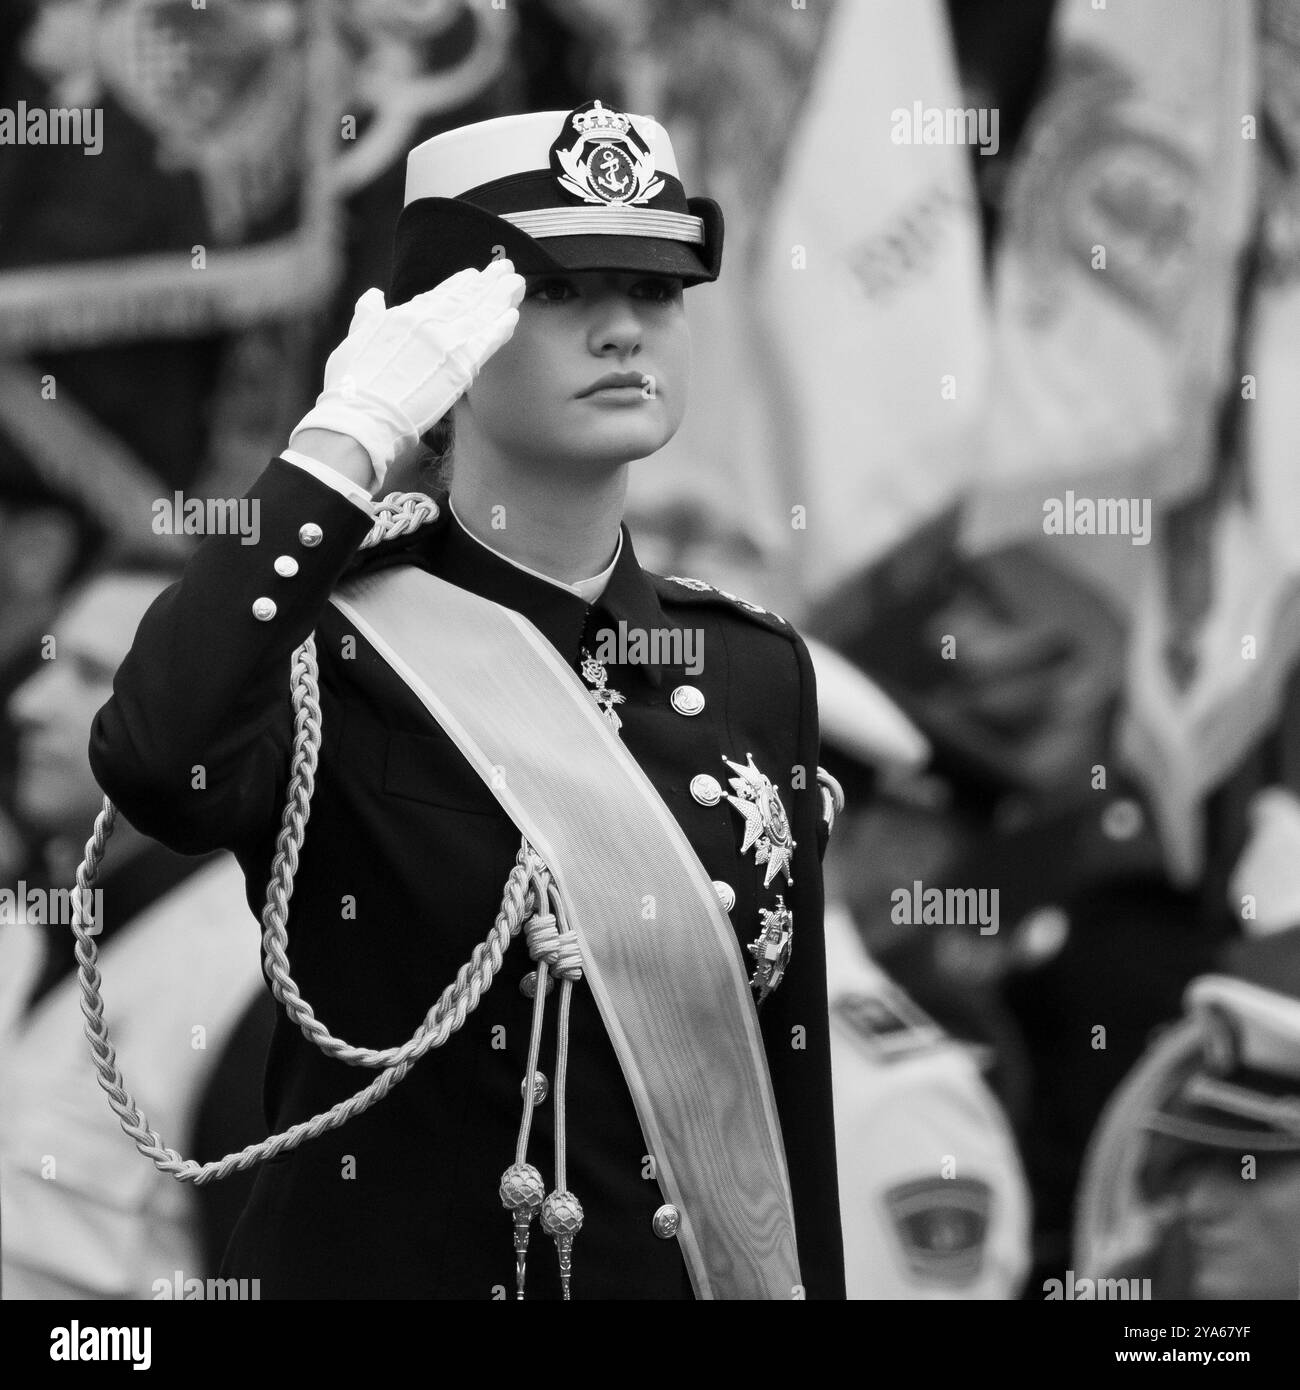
616 383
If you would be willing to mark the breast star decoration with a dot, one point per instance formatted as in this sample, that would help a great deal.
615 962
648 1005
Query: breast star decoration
766 826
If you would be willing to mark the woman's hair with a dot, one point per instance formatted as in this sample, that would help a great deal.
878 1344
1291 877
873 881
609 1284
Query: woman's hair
440 441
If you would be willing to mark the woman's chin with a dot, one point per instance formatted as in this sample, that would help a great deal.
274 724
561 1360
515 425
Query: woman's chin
626 445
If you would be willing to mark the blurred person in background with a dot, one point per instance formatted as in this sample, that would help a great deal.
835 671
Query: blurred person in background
1089 930
83 1215
46 539
933 1196
1192 1179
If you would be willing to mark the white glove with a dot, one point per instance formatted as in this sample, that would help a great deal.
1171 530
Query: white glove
400 370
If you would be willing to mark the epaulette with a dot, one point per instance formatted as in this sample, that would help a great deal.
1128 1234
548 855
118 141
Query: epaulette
679 590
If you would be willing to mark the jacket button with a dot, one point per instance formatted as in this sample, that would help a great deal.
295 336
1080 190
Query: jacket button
666 1222
263 609
686 699
706 790
541 1087
528 985
310 534
286 566
726 894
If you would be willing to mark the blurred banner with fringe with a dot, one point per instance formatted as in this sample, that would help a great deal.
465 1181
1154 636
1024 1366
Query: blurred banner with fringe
187 194
206 204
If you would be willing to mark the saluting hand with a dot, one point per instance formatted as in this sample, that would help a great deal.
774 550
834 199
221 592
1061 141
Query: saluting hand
400 370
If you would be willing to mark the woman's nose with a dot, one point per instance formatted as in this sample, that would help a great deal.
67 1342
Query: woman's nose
616 328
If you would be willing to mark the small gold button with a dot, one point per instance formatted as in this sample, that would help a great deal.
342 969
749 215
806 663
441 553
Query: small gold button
666 1222
286 566
263 609
726 894
310 534
541 1087
706 790
686 699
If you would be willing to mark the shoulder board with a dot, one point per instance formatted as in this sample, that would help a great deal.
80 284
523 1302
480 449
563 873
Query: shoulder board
679 590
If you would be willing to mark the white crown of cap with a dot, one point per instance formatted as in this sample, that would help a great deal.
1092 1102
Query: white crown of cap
453 163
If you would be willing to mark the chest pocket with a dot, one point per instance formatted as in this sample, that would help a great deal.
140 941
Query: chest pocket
430 768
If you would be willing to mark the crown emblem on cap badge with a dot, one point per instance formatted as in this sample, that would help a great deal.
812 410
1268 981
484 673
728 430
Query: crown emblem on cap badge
607 161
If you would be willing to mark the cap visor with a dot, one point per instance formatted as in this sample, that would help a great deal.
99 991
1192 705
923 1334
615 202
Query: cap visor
648 255
438 236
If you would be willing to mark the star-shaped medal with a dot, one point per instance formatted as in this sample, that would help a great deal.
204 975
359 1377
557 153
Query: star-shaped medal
765 820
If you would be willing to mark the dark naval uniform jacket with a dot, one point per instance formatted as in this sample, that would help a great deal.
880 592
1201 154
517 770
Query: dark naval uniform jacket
401 875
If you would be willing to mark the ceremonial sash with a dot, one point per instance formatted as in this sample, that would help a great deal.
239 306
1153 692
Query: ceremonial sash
672 990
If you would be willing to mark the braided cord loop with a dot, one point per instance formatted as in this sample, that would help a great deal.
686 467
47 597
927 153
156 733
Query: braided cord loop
524 895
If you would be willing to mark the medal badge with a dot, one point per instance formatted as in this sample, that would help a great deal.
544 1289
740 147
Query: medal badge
767 829
594 673
606 160
771 948
766 826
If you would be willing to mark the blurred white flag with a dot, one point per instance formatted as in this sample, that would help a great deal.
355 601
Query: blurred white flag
870 290
1116 282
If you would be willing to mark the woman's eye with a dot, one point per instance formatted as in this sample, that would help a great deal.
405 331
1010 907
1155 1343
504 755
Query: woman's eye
661 290
553 291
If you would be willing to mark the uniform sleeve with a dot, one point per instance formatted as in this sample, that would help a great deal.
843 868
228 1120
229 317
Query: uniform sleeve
193 746
796 1026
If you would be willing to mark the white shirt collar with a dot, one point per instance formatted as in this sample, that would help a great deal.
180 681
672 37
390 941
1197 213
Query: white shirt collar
589 590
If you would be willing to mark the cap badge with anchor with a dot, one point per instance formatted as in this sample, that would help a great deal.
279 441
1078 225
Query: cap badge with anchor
607 162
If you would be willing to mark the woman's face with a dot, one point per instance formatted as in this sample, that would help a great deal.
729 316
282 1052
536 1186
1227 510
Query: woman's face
595 372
